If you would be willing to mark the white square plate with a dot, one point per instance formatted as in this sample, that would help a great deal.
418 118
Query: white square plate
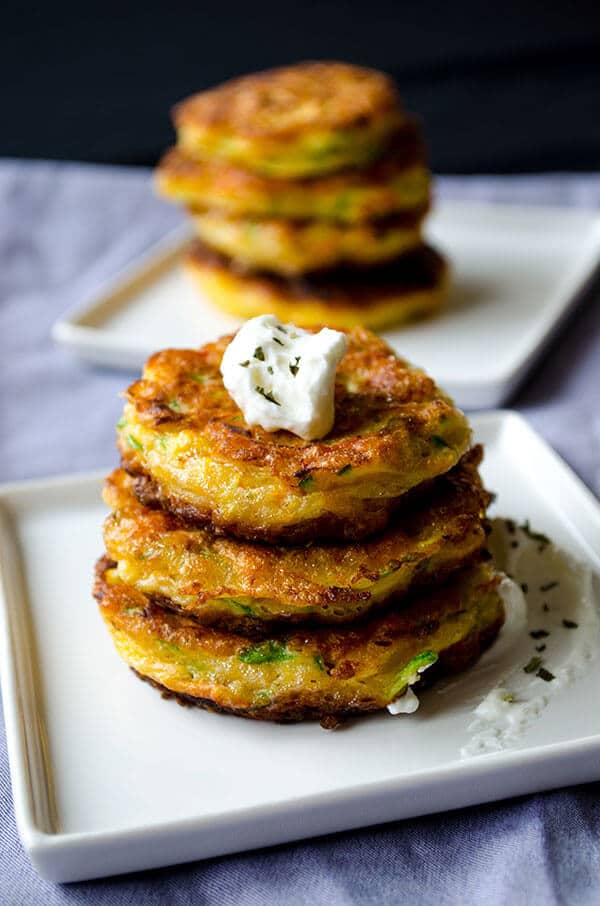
108 777
517 271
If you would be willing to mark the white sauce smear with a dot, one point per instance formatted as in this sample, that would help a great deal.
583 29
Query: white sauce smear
552 596
283 377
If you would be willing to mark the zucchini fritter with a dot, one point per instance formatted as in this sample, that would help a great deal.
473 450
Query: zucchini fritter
186 439
249 588
291 248
296 121
326 674
399 182
409 288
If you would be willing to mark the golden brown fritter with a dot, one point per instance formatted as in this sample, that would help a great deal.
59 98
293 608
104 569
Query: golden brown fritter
326 674
296 121
186 439
409 288
291 248
250 588
398 182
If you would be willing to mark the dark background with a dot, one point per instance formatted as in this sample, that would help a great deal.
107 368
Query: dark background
502 87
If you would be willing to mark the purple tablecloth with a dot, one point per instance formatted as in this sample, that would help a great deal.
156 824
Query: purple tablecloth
64 228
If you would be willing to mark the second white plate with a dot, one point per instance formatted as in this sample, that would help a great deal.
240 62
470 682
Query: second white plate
517 271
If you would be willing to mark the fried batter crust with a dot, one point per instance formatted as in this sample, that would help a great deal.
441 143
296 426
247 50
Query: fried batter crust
290 248
409 288
394 429
325 674
295 121
398 182
252 588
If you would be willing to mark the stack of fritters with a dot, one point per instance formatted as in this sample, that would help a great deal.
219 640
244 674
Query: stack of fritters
282 579
308 188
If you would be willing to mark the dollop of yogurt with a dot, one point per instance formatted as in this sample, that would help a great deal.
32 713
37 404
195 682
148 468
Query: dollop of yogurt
283 377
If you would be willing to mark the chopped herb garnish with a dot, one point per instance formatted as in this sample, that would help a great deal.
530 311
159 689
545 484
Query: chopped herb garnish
175 405
440 442
277 340
540 647
306 482
121 423
294 368
162 442
508 697
534 664
267 395
539 634
266 653
198 378
535 536
545 675
269 369
282 329
318 659
134 443
344 470
548 586
245 364
259 354
569 624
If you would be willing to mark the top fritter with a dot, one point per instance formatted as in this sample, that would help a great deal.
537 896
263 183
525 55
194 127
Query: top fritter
186 441
293 122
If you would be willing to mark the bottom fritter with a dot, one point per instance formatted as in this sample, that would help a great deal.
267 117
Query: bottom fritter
324 674
406 289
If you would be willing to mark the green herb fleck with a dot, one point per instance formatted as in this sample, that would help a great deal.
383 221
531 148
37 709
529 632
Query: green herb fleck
198 378
509 697
545 675
569 624
280 328
277 340
169 647
245 364
440 442
243 607
318 659
540 647
121 423
269 369
267 395
294 368
134 443
535 536
162 441
539 634
306 483
266 653
411 670
259 354
392 567
175 405
549 586
344 470
534 664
